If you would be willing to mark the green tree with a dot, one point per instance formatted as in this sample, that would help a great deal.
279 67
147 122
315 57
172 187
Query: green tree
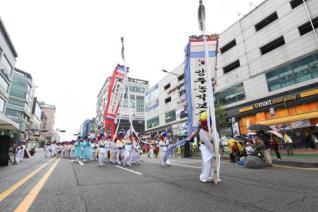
221 119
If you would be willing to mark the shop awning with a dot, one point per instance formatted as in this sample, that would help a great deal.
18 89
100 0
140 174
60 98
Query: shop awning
299 117
7 124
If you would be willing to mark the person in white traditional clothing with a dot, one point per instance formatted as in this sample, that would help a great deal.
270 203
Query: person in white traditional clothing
102 150
47 150
206 149
163 147
120 142
113 151
108 146
94 147
53 149
135 155
128 148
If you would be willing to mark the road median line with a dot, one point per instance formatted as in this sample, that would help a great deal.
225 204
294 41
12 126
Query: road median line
135 172
28 200
15 186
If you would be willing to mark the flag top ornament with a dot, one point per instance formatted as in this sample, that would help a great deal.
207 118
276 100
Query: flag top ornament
210 96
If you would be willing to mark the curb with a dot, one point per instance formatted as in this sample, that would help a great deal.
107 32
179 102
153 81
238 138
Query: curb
289 163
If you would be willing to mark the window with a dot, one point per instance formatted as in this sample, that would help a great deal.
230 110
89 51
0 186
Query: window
166 86
231 95
167 100
136 89
296 3
154 122
228 46
132 96
231 66
170 116
272 45
181 77
296 72
2 104
3 84
19 86
266 21
306 27
6 64
16 104
140 104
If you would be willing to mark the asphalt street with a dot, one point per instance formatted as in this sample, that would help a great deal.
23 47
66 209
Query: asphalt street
60 185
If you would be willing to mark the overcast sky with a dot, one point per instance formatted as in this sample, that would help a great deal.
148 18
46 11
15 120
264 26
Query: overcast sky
71 46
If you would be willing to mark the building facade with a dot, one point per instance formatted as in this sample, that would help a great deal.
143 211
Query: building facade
267 70
49 116
165 104
88 128
20 102
137 90
35 124
8 57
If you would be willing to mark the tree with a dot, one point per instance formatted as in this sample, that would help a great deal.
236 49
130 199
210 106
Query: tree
221 119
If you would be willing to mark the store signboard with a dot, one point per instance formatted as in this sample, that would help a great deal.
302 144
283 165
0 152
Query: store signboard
152 98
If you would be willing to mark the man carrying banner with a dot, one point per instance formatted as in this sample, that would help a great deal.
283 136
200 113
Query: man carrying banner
206 148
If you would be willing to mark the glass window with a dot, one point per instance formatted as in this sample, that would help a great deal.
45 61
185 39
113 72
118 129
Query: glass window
272 45
16 104
154 122
20 86
3 84
231 95
296 3
266 21
2 103
228 46
6 64
140 104
299 71
170 116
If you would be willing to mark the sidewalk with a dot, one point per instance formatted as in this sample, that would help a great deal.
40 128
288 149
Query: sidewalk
301 158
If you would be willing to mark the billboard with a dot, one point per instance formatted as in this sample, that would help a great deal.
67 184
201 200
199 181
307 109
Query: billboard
152 98
196 76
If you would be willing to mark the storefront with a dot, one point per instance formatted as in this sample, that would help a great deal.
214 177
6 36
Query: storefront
297 109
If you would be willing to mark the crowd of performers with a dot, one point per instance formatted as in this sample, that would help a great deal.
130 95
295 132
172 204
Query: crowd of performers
123 150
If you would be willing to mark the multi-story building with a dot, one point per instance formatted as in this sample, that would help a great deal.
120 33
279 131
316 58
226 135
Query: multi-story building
88 128
20 102
137 90
165 104
35 124
267 70
49 113
8 57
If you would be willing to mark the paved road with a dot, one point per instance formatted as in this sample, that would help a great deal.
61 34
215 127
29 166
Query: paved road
149 187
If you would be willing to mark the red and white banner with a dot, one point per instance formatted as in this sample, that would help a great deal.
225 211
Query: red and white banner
115 91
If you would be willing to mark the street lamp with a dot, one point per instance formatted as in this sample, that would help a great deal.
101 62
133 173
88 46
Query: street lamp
168 72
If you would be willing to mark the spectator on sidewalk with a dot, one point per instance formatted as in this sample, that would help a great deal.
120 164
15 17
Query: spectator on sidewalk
267 152
309 141
275 146
288 144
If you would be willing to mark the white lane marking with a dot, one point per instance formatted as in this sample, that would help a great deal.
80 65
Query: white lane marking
297 168
195 167
139 173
